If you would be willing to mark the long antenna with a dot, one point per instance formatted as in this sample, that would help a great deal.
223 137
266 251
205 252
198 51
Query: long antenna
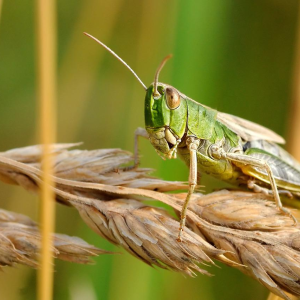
156 93
118 58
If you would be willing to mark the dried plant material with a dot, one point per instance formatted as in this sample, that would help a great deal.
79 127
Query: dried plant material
241 229
148 233
8 216
20 242
33 154
99 166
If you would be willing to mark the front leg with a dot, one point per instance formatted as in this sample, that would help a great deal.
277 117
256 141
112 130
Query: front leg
139 132
193 144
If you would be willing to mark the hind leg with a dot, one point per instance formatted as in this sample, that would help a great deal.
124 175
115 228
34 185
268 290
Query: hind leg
244 160
258 189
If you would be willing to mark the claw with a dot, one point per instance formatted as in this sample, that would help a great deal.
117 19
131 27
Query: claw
179 239
288 213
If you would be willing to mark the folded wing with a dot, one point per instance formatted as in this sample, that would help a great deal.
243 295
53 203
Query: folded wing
248 130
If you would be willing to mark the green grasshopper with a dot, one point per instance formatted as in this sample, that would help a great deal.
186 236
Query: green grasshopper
225 146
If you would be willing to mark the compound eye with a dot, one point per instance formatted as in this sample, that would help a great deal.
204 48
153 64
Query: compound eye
173 98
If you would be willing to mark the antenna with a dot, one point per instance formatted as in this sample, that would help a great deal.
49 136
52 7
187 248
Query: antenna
161 65
118 58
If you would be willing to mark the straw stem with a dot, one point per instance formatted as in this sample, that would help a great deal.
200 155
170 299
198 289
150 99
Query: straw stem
46 97
294 134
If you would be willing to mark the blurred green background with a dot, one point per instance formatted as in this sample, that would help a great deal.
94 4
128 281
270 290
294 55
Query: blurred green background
235 56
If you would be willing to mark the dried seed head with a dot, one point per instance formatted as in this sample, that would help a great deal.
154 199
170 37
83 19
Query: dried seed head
20 242
241 229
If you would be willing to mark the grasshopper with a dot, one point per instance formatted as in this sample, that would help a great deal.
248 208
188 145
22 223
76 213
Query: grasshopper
227 147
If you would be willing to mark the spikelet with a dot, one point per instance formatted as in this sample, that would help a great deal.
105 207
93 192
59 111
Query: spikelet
20 242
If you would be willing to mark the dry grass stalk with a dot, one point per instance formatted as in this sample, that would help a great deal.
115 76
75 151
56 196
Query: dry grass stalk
46 62
241 229
294 116
20 242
